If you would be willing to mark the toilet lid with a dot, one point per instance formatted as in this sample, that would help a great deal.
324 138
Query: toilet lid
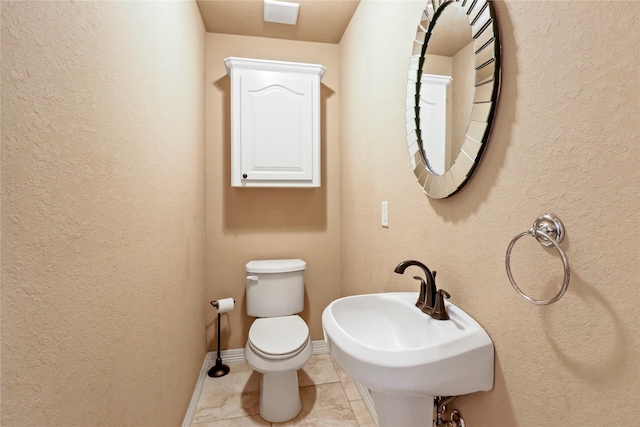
279 335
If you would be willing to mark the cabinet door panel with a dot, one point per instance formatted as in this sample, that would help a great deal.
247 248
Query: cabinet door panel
276 128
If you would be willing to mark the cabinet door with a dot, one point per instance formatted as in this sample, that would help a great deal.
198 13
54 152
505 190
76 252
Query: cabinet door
276 128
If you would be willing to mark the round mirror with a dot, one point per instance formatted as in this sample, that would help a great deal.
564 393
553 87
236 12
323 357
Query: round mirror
454 80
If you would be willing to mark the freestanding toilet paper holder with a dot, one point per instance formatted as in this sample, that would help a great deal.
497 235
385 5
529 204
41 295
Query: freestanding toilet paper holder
219 369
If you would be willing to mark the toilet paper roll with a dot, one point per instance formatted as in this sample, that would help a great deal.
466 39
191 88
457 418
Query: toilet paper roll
225 305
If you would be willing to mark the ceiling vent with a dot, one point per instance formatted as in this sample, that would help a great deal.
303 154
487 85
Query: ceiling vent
281 12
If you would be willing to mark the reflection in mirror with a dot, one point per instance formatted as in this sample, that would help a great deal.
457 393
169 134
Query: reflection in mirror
446 93
452 92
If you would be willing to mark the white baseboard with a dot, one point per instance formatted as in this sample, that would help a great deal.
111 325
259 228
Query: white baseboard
229 357
195 397
368 400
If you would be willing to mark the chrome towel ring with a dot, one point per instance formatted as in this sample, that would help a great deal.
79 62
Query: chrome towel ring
549 231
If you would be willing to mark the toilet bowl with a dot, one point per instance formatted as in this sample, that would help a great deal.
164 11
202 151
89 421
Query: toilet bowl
279 342
278 360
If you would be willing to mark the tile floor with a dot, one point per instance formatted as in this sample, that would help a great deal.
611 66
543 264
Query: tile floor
329 398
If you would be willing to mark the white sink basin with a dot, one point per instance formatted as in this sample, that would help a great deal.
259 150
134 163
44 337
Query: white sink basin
387 344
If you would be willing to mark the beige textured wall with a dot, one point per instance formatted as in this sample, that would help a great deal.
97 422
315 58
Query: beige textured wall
261 223
565 141
102 212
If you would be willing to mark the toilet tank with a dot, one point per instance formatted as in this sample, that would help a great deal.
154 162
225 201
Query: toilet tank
275 287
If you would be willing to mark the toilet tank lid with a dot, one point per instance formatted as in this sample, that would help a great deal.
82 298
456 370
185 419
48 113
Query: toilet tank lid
275 265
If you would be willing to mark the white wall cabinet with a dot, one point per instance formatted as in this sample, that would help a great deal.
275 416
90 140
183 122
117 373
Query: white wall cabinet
275 123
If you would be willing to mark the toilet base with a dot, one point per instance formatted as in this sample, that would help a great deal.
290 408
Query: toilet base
279 396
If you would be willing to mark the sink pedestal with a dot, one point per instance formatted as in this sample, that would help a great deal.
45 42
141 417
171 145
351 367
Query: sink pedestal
402 410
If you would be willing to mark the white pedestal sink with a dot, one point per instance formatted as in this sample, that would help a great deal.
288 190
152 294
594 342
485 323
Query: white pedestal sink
387 344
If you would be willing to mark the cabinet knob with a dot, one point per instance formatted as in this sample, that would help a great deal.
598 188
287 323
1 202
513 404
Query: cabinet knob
244 175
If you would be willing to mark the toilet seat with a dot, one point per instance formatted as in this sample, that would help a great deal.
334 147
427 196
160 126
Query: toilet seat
278 337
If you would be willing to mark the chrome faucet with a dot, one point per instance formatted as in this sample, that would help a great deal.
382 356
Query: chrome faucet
427 297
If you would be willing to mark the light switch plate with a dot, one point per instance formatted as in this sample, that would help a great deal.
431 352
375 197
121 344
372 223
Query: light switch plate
385 214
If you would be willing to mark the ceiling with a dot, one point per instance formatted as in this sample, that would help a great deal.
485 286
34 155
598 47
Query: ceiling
318 20
452 32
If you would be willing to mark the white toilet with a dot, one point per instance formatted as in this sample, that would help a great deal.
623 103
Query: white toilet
279 342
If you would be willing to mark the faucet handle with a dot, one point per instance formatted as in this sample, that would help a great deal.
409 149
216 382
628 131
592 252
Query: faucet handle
423 292
439 311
